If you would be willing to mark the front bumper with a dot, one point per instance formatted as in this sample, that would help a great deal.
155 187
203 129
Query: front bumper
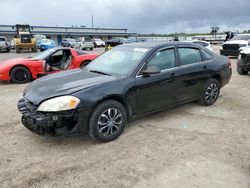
4 48
55 124
230 52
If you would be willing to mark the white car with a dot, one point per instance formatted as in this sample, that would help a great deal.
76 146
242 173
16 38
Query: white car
84 43
202 43
98 43
235 45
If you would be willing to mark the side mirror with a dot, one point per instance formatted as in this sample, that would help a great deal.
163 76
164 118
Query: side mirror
151 70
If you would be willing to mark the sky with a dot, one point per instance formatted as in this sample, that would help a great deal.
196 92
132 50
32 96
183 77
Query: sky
139 16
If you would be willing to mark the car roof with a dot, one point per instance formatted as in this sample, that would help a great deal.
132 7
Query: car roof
158 44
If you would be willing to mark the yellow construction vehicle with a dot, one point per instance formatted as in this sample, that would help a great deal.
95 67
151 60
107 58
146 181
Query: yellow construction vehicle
24 40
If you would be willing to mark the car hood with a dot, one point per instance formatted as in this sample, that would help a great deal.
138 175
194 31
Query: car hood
236 42
64 83
246 51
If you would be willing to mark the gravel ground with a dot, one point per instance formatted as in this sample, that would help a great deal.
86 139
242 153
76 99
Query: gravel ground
188 146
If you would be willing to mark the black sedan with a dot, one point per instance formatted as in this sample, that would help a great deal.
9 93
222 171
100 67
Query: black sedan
126 82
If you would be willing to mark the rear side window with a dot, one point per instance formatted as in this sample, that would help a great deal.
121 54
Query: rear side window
164 59
189 55
207 55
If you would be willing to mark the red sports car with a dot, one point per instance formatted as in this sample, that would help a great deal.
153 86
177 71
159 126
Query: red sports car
23 70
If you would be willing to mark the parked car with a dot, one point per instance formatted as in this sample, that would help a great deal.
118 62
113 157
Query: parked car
39 38
126 82
204 44
46 44
84 43
12 44
114 42
243 63
51 61
69 42
235 45
98 43
4 45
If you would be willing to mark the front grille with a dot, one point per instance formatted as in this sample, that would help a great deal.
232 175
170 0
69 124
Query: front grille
25 39
231 46
25 106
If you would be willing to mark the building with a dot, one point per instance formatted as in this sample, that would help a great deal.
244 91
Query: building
57 33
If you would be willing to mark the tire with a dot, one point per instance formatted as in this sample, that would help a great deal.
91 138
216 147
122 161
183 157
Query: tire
210 92
109 117
18 50
34 49
84 64
241 71
91 49
20 75
8 50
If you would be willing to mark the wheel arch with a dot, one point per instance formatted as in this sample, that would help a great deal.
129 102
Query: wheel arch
84 61
218 77
119 99
20 65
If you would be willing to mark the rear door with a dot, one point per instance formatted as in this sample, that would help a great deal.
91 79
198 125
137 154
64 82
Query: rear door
158 90
194 68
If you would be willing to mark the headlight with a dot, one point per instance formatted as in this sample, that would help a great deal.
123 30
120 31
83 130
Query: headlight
59 104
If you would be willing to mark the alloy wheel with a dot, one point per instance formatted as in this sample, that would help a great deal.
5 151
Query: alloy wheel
109 122
212 93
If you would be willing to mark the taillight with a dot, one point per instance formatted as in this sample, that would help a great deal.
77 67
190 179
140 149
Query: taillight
229 62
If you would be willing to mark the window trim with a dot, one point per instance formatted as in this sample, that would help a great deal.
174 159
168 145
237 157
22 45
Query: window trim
138 75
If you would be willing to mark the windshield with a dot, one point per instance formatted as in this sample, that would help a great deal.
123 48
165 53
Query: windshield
118 61
71 40
241 37
44 54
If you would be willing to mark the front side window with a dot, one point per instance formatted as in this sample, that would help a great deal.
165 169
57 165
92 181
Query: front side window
164 59
189 55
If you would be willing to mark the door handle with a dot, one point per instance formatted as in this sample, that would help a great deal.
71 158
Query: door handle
173 74
204 68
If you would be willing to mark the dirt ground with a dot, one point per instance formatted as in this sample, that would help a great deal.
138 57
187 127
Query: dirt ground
188 146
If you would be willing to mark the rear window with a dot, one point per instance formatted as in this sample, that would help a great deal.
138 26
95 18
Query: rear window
88 40
80 52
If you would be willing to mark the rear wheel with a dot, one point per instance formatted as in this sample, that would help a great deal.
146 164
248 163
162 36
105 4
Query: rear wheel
210 92
107 121
18 50
84 64
241 71
34 49
20 75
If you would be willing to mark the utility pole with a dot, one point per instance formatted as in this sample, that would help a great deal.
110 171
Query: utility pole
92 21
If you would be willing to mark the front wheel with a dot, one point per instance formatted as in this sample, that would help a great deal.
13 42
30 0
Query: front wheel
20 75
241 71
210 92
107 121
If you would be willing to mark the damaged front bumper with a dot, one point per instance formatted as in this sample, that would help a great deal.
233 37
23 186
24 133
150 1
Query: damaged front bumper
55 124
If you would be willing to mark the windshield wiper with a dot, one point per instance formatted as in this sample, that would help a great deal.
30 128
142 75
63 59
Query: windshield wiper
99 72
